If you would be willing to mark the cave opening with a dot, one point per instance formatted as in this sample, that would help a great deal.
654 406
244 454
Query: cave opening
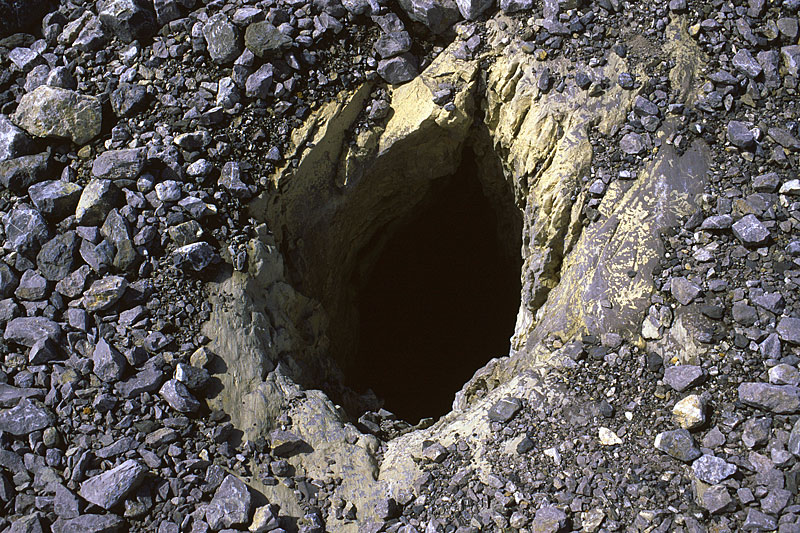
440 300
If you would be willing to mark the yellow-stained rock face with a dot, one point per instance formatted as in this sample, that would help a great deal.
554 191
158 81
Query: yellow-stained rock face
286 325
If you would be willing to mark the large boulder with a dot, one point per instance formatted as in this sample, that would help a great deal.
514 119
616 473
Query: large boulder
60 114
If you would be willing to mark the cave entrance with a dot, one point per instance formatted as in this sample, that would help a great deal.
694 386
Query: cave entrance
440 300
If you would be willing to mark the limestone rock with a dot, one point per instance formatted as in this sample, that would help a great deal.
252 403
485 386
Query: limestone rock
28 330
25 418
98 198
262 38
108 489
59 113
129 19
230 506
55 199
437 15
119 164
472 9
104 293
781 399
222 39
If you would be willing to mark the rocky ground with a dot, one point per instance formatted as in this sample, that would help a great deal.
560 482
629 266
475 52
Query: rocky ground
132 135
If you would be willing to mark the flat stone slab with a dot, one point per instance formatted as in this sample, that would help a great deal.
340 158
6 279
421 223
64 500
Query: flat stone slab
110 488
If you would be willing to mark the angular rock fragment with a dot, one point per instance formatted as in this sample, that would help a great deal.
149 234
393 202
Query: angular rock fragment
26 230
689 413
285 443
148 380
55 199
549 519
712 469
59 113
437 15
397 70
108 489
222 39
98 198
230 506
20 173
739 135
104 293
128 19
119 164
89 523
678 443
472 9
198 256
25 418
715 499
128 99
13 141
504 410
178 397
27 330
261 38
750 231
781 399
682 377
56 259
789 330
109 363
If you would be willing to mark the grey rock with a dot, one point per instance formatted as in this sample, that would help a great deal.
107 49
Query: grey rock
166 11
784 374
745 63
186 233
548 519
8 280
10 395
43 351
65 503
717 222
222 39
108 489
198 256
437 15
104 293
775 501
744 314
20 173
784 138
683 290
740 136
230 179
397 70
128 99
98 198
285 443
90 523
790 55
230 506
92 37
26 524
56 259
55 199
715 499
682 377
26 330
109 363
129 20
259 82
758 521
13 141
771 301
169 191
73 285
504 410
756 431
789 330
712 469
472 9
512 6
26 230
148 380
678 443
794 439
178 397
59 113
393 44
117 231
261 38
750 231
194 378
25 418
632 144
119 164
32 286
781 399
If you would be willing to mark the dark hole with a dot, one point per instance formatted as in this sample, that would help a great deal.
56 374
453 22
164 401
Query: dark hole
440 302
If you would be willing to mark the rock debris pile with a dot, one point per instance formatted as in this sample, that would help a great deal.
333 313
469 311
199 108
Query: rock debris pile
652 383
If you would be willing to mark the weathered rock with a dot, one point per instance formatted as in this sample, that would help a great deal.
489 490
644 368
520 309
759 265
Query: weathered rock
684 290
758 521
8 280
60 114
750 231
548 519
393 44
678 443
712 470
715 499
745 63
148 380
55 199
32 286
472 9
104 293
13 141
689 413
193 377
781 399
128 99
90 523
789 330
20 173
682 377
109 363
98 198
178 397
27 330
116 164
632 143
25 418
739 135
259 82
505 409
397 70
512 6
26 230
437 15
222 39
117 232
198 256
285 443
108 489
129 19
230 506
261 38
56 259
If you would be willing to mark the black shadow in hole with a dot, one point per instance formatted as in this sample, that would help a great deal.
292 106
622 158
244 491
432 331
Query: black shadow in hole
439 303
